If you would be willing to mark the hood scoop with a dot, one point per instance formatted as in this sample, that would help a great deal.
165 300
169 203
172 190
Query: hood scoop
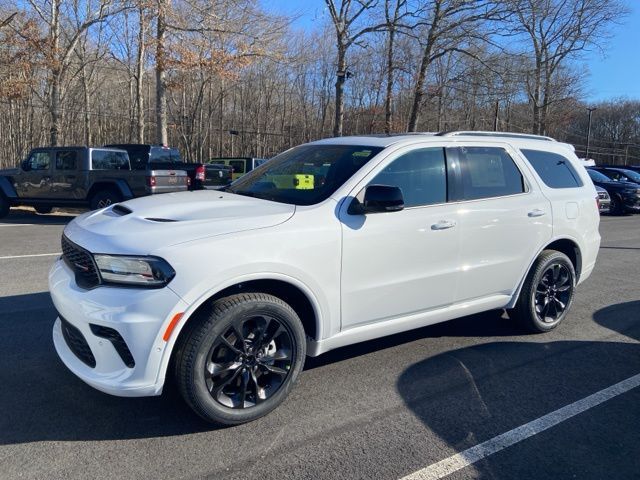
161 220
121 210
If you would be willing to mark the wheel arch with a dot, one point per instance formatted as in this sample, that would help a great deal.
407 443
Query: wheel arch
288 289
119 186
566 245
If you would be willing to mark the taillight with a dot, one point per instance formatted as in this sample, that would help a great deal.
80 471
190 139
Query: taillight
200 173
151 181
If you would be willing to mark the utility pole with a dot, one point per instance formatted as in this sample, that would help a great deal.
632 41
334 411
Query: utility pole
591 109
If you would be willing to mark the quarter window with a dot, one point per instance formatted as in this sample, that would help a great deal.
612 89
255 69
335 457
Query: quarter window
488 172
66 160
420 175
109 160
554 170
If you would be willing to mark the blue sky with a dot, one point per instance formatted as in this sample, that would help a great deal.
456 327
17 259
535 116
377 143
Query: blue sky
612 74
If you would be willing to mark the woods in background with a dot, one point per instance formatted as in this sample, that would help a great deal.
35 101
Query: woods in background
227 77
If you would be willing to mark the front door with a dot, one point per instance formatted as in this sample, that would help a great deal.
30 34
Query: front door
399 263
35 181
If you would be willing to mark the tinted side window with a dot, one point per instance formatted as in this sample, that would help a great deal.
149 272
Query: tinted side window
66 160
555 170
238 166
488 172
420 175
39 161
108 160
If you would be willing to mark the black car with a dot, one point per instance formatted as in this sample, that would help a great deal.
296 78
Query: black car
625 196
620 174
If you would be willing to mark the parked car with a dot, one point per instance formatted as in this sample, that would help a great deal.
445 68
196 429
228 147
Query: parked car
625 196
240 165
233 289
81 177
604 200
155 156
222 172
619 174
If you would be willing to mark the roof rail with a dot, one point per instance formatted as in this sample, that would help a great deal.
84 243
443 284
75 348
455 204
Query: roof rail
527 136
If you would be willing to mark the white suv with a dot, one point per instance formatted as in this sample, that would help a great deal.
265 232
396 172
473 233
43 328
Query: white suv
328 244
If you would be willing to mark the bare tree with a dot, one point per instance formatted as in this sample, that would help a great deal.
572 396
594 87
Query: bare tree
556 31
348 28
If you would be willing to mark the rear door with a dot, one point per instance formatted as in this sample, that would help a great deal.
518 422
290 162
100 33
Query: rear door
504 219
64 182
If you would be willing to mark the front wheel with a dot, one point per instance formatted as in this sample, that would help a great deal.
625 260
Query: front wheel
547 292
240 358
616 207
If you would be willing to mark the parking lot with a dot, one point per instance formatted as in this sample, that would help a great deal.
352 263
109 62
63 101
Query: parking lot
383 409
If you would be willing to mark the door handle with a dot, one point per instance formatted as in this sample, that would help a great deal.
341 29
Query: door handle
536 213
443 225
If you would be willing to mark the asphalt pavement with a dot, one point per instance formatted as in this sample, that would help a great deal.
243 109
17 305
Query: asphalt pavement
377 410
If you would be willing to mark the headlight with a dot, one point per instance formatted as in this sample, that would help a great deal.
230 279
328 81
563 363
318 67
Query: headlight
135 271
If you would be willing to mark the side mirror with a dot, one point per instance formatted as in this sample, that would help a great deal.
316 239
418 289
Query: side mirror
26 165
378 199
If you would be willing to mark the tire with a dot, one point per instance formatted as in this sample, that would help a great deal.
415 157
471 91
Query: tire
104 198
224 376
549 285
616 206
5 206
43 209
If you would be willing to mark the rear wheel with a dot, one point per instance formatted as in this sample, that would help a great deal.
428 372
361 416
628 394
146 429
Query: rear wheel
104 198
43 209
5 207
547 292
240 359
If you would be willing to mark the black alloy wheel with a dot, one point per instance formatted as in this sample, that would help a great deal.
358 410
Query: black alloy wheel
616 207
239 357
553 293
547 292
249 362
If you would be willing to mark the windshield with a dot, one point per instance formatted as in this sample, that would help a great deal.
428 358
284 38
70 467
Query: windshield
304 175
597 176
635 176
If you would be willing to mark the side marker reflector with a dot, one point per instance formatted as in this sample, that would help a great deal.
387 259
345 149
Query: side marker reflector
172 324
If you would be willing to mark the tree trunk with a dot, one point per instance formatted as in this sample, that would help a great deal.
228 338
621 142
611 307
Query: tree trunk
388 120
140 77
54 99
418 92
161 87
341 76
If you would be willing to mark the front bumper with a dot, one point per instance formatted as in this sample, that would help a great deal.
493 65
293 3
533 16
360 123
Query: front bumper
139 316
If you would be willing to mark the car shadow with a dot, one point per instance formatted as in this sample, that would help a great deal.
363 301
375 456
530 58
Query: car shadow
21 216
470 395
42 400
487 388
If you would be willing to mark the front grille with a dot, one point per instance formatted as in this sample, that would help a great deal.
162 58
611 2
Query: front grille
77 343
81 262
117 341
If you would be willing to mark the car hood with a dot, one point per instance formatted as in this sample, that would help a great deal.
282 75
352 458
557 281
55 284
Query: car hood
143 225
